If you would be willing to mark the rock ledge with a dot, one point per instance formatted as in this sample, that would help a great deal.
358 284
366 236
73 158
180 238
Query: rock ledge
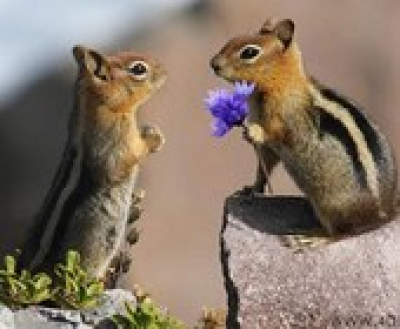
351 283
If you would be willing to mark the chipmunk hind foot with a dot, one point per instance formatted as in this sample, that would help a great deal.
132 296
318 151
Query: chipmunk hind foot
302 242
339 220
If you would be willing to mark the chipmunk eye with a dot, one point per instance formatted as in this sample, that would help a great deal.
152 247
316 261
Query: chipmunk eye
138 69
250 52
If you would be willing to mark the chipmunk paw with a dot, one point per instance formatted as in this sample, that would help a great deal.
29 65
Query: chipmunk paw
153 137
254 133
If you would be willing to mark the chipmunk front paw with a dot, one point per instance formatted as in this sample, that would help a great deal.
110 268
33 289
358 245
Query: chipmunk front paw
153 137
254 133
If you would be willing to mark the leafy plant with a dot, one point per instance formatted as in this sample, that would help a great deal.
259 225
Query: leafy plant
22 289
145 316
76 289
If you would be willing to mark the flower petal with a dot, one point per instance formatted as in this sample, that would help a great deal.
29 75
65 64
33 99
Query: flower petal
244 88
215 97
219 128
229 109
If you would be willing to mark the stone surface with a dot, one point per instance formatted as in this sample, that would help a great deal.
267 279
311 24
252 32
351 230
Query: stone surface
353 283
6 318
112 302
47 318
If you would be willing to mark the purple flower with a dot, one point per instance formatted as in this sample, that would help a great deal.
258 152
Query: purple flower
229 109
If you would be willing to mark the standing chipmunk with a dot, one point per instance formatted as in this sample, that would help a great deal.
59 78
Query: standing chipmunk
336 155
107 146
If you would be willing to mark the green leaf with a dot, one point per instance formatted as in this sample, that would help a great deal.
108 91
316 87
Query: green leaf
74 289
41 296
78 291
4 273
16 284
43 281
10 264
121 321
25 275
145 316
73 260
95 288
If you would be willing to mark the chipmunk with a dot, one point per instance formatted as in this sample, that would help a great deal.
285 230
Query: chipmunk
335 154
107 146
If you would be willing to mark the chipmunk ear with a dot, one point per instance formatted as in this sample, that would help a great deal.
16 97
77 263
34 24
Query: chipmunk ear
92 62
268 26
284 30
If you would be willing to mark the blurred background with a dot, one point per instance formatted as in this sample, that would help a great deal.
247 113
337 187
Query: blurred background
353 46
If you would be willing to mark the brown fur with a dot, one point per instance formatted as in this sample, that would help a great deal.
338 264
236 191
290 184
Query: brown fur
94 218
109 113
285 118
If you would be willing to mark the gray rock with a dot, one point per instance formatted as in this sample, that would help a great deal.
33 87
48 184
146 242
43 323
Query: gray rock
6 318
47 318
351 283
112 302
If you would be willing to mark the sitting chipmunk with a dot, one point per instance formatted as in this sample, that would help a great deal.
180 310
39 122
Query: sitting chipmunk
336 155
106 145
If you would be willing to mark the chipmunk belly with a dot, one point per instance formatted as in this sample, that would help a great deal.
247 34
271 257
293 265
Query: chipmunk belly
112 151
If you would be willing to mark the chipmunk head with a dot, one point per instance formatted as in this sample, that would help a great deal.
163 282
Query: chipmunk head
119 82
254 57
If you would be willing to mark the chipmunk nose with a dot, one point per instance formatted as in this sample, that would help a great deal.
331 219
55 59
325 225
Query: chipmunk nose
214 63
